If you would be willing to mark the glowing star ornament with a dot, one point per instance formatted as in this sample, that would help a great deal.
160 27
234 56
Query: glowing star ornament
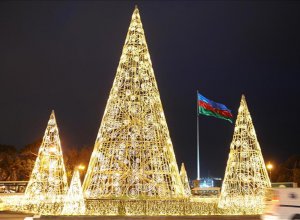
74 201
185 181
133 156
246 177
48 181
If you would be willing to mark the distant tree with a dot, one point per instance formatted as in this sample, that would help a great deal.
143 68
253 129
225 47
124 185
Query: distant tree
285 175
27 156
8 154
289 171
70 159
31 150
84 158
12 175
18 165
296 175
85 155
74 157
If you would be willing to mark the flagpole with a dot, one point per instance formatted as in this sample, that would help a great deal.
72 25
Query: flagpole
198 150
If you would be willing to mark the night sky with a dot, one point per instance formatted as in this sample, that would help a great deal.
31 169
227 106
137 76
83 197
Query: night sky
64 56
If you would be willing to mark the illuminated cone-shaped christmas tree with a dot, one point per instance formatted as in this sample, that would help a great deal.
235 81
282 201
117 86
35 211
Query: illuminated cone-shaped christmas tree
185 180
48 181
246 177
133 155
74 201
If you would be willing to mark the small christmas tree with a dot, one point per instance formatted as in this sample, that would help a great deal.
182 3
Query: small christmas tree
133 155
185 181
48 182
246 177
74 201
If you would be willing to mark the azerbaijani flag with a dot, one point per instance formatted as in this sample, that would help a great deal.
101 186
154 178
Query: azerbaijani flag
211 108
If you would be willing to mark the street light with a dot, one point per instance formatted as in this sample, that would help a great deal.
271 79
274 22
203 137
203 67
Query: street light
270 167
81 167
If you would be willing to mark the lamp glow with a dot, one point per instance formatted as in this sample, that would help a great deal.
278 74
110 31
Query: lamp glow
81 167
270 166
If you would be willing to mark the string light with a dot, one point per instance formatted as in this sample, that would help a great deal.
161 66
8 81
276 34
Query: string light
133 157
133 169
185 181
246 177
74 201
47 185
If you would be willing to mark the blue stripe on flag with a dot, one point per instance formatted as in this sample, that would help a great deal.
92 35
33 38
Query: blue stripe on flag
212 103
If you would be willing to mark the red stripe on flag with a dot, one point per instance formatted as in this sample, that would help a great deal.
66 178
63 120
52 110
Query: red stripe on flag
218 111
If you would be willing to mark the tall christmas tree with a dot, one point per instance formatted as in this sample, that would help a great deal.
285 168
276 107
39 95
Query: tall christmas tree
185 180
48 181
246 177
74 201
133 155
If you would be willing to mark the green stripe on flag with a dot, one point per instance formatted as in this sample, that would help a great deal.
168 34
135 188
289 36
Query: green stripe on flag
206 112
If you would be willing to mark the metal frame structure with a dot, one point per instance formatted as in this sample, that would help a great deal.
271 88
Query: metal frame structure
185 181
133 169
246 177
74 201
48 182
133 157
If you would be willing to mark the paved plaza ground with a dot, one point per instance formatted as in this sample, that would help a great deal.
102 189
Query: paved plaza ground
20 216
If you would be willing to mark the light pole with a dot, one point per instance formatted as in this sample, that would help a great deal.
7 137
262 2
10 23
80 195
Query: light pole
270 167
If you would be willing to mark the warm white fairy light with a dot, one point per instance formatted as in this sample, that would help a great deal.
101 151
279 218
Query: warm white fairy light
133 157
74 201
133 170
185 181
47 185
246 177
